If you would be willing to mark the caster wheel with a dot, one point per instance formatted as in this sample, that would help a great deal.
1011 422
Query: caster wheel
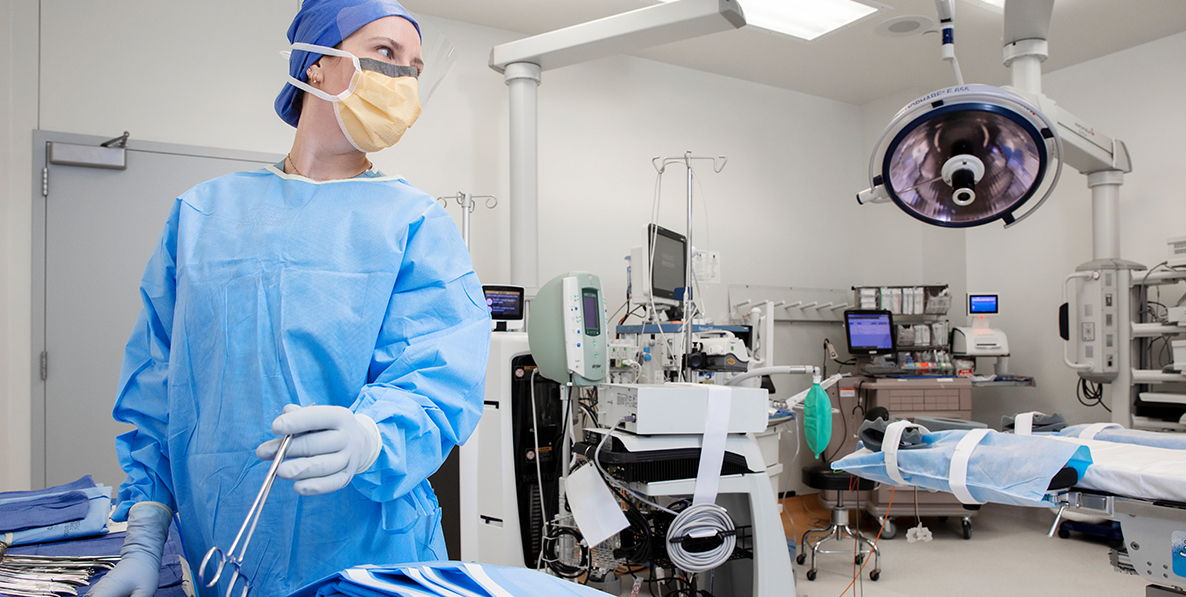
811 575
967 526
799 559
890 530
1064 534
873 576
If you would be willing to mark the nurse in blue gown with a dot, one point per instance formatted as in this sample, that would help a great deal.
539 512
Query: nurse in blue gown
315 297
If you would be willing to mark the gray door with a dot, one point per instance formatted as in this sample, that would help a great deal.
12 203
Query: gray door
94 231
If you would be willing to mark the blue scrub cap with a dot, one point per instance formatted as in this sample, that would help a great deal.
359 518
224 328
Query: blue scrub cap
327 23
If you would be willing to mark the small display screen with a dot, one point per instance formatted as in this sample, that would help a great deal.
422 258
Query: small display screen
668 269
505 302
590 313
869 332
982 303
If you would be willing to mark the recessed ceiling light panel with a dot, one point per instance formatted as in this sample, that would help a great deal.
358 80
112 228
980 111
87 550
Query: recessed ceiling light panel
804 19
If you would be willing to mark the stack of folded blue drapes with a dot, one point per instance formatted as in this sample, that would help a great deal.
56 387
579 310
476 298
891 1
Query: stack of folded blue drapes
71 520
451 579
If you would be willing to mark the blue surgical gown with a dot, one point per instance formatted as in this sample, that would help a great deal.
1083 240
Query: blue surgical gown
267 289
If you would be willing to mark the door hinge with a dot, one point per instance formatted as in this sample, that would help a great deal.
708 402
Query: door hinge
44 365
45 181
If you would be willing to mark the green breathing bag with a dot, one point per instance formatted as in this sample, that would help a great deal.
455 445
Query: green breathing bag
817 419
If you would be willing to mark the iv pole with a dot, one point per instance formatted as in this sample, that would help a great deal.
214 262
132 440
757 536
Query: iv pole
660 165
467 203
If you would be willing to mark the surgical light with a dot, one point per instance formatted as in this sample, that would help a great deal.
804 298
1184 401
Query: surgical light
966 156
805 19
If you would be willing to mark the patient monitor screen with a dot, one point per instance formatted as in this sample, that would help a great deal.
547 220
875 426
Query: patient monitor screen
869 332
504 302
590 312
983 304
668 268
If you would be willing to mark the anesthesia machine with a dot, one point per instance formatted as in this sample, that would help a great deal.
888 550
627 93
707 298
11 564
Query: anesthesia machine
664 467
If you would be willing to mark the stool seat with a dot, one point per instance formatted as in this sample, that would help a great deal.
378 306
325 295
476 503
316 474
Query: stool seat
821 476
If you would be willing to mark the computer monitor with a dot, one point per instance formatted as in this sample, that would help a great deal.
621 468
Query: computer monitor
982 304
869 331
668 265
659 267
506 306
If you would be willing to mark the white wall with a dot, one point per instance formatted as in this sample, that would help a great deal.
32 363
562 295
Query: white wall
1136 96
18 118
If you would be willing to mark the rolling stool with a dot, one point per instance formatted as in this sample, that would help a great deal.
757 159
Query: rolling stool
822 477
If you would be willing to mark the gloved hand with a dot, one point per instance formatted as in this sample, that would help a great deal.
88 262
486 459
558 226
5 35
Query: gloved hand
336 444
139 567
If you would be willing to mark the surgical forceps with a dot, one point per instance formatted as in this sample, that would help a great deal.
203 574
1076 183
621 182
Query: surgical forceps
229 557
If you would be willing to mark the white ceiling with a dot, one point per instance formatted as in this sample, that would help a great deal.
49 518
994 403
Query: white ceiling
855 64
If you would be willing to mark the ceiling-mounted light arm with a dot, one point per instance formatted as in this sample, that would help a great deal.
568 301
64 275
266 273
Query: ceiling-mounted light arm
1026 26
621 34
946 9
523 61
1103 159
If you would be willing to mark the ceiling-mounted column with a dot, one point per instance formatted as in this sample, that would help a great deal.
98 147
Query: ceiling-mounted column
523 79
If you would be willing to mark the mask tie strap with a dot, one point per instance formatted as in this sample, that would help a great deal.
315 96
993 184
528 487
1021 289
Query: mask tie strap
313 49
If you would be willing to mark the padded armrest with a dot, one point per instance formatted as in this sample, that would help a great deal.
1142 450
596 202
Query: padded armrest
1064 479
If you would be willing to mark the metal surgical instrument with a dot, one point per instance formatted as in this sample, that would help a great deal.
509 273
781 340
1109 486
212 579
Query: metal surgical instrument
229 557
49 576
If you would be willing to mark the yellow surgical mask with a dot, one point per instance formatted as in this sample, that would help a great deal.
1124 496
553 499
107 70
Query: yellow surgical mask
380 104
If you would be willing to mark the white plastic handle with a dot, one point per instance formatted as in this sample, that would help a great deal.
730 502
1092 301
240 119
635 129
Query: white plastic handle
1066 345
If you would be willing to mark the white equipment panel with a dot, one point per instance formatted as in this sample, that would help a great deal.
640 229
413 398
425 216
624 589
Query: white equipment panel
674 409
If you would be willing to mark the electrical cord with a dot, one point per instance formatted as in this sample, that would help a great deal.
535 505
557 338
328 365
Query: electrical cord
654 233
588 410
629 313
699 521
612 481
844 434
1090 394
543 510
553 561
619 309
640 551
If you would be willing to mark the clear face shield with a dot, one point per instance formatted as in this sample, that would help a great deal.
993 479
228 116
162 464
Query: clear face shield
439 55
437 52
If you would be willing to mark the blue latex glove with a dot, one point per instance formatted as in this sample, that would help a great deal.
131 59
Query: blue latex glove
138 571
336 444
